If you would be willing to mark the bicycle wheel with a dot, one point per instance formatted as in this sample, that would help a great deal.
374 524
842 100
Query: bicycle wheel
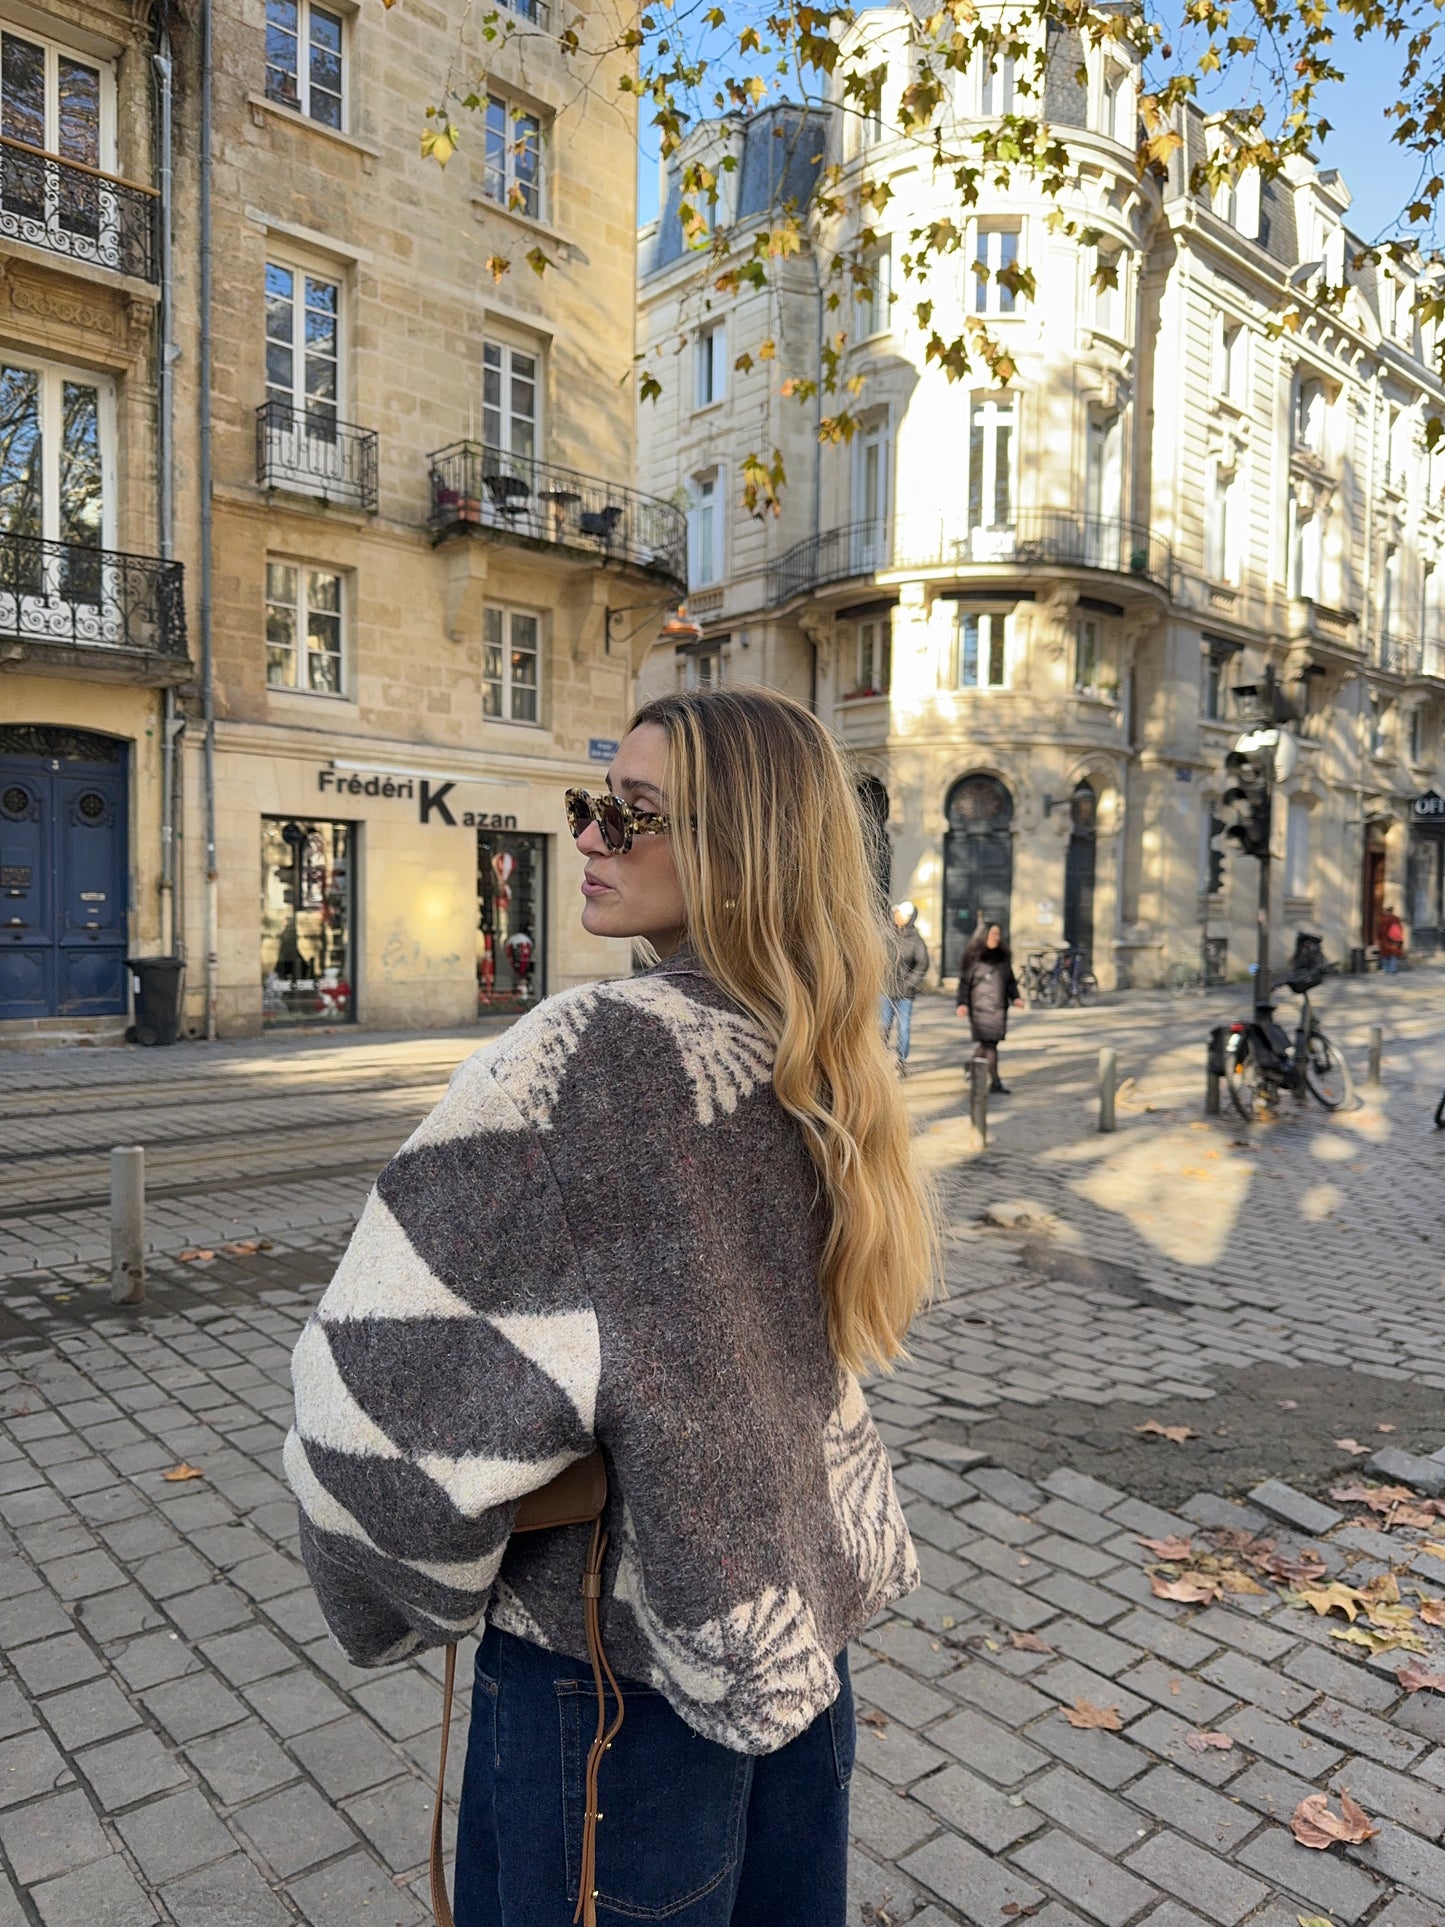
1326 1074
1248 1091
1179 980
1047 994
1086 990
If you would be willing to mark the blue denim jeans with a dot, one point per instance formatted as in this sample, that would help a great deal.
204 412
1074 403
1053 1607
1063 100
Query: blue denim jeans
691 1833
902 1009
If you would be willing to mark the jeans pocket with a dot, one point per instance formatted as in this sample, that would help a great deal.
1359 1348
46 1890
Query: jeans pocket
843 1720
672 1804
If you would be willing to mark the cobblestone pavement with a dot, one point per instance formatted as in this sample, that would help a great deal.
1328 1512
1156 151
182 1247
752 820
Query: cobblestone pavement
180 1743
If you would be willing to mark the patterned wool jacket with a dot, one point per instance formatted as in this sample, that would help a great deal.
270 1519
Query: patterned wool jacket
606 1232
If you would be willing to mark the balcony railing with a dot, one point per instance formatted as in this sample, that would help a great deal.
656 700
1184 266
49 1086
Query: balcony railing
1038 538
1398 655
474 486
70 209
69 594
314 454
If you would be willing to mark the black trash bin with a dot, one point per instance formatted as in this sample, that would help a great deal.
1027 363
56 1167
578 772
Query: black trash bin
157 1000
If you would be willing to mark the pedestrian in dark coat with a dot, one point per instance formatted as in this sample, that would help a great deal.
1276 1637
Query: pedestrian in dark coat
986 988
907 968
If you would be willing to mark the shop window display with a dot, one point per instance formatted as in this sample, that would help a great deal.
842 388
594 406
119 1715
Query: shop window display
511 901
306 921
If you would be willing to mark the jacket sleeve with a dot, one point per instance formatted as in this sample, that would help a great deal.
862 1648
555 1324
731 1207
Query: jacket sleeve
1011 988
450 1368
916 968
965 983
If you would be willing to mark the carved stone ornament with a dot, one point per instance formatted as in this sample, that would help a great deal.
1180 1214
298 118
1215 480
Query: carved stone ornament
72 310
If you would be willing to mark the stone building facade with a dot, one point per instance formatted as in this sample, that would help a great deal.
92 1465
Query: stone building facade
429 574
1039 614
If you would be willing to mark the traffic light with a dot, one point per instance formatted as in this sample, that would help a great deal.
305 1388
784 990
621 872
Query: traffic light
1216 855
1250 795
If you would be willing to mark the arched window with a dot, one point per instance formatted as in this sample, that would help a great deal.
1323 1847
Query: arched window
977 862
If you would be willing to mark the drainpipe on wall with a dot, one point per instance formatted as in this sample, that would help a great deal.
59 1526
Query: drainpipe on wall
208 705
172 723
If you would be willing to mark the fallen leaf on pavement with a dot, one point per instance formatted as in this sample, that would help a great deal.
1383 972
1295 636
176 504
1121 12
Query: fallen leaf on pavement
1202 1742
1171 1548
1313 1825
196 1254
1233 1580
1314 1920
1386 1428
1432 1611
1191 1589
1419 1517
1084 1713
1415 1679
1374 1642
1351 1445
1434 1548
874 1718
1332 1598
1029 1643
1178 1433
243 1248
1307 1568
1287 1404
1379 1498
1015 1909
183 1471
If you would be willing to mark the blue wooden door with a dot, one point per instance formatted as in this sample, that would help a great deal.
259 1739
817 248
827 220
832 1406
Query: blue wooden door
63 879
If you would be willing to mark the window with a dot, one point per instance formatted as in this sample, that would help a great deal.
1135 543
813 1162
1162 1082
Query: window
512 176
870 126
1086 656
1237 201
1310 404
702 668
511 647
990 464
1305 551
1108 286
303 343
56 101
1397 447
1218 663
1417 734
1297 850
873 662
995 254
1211 876
303 628
1117 106
979 660
996 87
1430 626
1379 725
1104 472
1222 523
712 364
1230 347
56 441
304 59
509 400
872 478
871 299
705 548
1389 590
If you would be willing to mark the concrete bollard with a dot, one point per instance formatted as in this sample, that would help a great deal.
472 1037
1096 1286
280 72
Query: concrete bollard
1108 1084
978 1102
127 1225
1377 1041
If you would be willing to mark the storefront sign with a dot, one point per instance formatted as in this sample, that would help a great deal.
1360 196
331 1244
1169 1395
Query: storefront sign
1431 804
432 798
601 749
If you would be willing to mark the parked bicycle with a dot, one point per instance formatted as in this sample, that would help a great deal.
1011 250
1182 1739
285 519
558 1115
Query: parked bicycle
1259 1060
1037 970
1069 980
1182 979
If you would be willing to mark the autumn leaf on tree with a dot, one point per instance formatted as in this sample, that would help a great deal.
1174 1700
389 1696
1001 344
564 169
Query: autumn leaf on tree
1416 1679
1313 1825
1171 1548
1084 1713
1177 1433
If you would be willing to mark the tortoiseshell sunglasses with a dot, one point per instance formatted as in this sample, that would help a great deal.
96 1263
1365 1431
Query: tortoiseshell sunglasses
617 820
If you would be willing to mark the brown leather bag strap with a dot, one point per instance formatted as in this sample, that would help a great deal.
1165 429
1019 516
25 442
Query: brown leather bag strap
586 1912
440 1904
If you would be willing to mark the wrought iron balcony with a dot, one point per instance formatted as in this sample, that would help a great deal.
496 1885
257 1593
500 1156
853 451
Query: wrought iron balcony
70 209
1398 655
312 453
1037 538
68 595
477 487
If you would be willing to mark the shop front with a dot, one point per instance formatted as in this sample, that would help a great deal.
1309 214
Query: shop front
390 898
1425 874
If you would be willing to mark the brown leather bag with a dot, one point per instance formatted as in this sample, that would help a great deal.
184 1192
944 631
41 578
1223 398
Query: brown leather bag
576 1497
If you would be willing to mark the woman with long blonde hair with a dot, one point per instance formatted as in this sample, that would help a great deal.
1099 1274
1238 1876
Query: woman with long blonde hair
670 1217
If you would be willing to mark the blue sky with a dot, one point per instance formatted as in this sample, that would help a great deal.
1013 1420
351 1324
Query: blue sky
1381 176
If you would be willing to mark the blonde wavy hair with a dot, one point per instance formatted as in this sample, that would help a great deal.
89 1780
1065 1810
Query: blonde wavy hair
785 914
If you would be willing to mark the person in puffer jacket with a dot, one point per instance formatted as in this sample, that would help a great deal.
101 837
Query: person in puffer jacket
907 969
